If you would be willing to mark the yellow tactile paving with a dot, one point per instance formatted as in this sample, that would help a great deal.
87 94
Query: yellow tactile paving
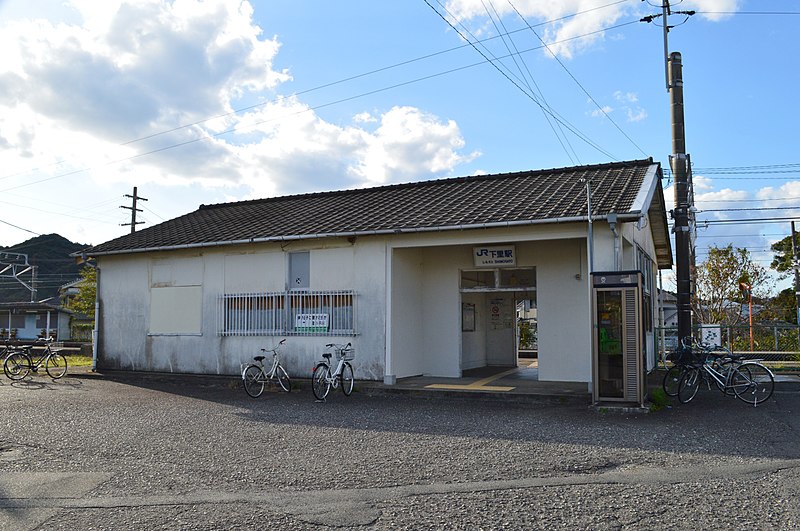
479 385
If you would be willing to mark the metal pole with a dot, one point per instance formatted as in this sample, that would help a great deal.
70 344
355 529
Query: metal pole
750 310
590 235
678 162
796 268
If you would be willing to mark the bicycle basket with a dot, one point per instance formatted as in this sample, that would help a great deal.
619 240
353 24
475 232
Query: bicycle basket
56 345
684 356
346 354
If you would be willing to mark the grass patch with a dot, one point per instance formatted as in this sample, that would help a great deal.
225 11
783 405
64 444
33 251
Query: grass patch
77 360
658 399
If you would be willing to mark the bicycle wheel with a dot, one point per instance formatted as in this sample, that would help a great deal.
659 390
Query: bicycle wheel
17 365
671 380
253 378
321 381
56 365
739 377
755 385
283 378
347 379
689 384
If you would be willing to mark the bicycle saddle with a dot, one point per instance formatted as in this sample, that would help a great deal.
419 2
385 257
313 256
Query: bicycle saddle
259 358
327 355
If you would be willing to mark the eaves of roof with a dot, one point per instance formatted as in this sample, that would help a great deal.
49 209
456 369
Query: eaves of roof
464 203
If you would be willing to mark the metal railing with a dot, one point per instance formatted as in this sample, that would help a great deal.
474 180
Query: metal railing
778 343
300 313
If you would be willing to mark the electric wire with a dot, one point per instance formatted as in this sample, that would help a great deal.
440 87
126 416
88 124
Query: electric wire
591 98
18 227
337 82
571 153
531 97
324 105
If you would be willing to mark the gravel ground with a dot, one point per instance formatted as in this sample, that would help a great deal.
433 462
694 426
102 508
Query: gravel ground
95 453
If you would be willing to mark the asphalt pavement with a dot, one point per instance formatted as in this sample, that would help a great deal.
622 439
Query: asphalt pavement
108 452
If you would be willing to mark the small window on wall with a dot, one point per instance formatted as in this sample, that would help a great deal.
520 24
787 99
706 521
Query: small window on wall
299 270
524 277
503 279
477 279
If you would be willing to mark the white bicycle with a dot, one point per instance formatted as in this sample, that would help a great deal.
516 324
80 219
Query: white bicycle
255 376
322 379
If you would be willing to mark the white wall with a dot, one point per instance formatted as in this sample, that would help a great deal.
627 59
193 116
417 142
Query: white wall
407 346
563 308
425 302
128 340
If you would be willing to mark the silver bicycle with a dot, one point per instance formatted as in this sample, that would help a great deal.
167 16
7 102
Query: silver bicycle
255 376
749 380
322 379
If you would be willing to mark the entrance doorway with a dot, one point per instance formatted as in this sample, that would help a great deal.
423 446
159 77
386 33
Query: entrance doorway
498 318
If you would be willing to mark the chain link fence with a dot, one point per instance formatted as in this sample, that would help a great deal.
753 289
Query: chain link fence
777 344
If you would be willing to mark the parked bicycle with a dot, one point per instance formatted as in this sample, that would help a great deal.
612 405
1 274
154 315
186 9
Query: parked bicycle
22 360
256 377
748 380
689 353
322 379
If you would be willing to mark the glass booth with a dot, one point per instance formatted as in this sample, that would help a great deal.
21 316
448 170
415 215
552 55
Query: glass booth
618 350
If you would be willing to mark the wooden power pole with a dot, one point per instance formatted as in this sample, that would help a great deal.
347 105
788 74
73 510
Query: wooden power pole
135 197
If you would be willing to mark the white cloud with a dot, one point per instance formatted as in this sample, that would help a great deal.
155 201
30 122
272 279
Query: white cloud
73 96
636 115
564 33
712 9
561 34
598 113
626 97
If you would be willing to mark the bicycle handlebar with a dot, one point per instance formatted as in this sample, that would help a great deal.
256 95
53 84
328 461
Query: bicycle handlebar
274 349
345 347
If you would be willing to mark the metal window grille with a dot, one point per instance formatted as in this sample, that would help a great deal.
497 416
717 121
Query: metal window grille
307 313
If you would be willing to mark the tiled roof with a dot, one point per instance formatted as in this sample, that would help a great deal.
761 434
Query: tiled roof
457 203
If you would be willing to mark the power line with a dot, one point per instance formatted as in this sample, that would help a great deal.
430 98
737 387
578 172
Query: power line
329 104
530 96
560 62
18 227
538 89
344 80
746 200
748 12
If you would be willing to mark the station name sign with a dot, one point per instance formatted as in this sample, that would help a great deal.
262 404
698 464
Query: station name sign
494 256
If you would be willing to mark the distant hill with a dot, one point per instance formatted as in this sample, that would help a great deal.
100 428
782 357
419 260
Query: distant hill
51 254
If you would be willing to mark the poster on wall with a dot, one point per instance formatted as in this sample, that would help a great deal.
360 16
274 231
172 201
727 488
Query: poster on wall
499 316
468 317
311 322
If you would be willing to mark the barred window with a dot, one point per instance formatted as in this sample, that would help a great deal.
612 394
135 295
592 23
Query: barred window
327 313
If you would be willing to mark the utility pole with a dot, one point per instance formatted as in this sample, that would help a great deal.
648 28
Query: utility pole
679 163
796 268
133 210
33 283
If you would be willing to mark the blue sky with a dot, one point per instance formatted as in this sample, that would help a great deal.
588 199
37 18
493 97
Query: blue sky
99 97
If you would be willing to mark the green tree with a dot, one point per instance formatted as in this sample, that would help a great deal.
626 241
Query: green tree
718 297
84 300
782 307
782 261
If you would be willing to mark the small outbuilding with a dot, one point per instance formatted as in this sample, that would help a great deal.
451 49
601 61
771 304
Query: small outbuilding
425 278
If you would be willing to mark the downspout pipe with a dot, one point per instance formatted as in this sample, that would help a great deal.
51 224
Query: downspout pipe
612 223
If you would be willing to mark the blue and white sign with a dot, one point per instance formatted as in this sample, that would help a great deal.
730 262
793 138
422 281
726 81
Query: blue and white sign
494 256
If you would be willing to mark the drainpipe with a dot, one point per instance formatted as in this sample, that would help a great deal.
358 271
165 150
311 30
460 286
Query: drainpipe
95 335
612 222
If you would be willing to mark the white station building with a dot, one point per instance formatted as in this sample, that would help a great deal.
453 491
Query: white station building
427 278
